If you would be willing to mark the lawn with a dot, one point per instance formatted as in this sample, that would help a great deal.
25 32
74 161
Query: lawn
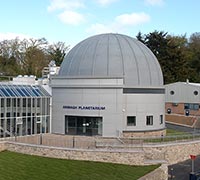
171 132
16 166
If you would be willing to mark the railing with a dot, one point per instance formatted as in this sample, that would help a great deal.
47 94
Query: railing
83 142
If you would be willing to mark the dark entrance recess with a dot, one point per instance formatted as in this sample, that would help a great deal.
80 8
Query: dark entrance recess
83 125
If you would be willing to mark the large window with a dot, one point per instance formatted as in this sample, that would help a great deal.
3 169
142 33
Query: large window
131 120
191 106
82 125
149 120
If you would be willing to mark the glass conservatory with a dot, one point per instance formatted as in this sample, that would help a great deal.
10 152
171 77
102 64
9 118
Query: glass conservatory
24 110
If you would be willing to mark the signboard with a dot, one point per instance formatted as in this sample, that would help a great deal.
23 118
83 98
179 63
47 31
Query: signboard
193 157
84 107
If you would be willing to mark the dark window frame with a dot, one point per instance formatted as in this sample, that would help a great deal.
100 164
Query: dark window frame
131 120
149 120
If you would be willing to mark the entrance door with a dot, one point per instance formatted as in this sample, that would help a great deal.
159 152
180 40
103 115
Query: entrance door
70 125
80 125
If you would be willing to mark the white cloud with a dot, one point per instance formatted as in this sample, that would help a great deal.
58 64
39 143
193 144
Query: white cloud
71 17
99 28
65 4
120 24
9 36
105 2
132 19
68 11
155 2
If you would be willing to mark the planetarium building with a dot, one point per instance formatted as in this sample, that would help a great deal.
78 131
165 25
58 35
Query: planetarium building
109 85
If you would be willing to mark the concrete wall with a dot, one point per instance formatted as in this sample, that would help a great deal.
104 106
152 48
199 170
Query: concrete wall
183 92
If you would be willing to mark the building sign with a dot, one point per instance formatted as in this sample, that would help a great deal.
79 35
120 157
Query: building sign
85 107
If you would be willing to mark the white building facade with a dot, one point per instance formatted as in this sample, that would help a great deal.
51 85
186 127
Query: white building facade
183 98
109 85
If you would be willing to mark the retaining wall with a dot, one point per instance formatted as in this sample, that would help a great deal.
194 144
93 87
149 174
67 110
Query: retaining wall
160 173
169 153
2 146
104 155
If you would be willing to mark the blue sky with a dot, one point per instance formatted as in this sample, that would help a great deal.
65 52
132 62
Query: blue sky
71 21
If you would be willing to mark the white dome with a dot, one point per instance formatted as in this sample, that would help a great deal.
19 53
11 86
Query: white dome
113 55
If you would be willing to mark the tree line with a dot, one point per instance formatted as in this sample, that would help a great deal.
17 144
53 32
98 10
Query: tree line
29 56
178 56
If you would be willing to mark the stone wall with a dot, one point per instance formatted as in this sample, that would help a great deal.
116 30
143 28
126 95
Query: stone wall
166 154
2 146
160 173
128 134
172 152
101 155
169 153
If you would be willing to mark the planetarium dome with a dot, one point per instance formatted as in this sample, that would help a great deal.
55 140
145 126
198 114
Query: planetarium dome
113 55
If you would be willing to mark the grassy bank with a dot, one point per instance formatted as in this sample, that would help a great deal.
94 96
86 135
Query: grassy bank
15 166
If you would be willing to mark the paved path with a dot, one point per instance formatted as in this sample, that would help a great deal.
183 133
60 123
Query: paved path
181 128
181 171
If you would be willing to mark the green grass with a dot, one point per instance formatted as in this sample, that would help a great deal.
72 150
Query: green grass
16 166
171 132
171 135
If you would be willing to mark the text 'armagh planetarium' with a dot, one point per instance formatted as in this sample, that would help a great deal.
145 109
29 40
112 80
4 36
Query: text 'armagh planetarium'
109 85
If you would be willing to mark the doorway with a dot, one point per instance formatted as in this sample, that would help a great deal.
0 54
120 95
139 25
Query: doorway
83 125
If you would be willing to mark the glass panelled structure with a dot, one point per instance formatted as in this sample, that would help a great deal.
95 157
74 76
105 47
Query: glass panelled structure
82 125
24 110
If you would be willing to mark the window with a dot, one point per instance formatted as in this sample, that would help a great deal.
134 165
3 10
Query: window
149 120
18 102
191 106
172 92
195 93
2 102
169 111
161 119
24 102
131 120
29 102
38 102
8 102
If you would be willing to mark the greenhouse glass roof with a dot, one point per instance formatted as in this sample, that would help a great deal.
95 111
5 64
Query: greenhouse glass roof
8 90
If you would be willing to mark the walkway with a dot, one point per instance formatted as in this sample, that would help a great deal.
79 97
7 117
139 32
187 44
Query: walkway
181 171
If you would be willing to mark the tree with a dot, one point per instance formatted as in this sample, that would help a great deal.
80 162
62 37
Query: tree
140 37
29 56
35 60
57 52
194 52
9 57
171 52
35 56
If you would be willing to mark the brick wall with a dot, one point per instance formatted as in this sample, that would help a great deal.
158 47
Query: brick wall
179 109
